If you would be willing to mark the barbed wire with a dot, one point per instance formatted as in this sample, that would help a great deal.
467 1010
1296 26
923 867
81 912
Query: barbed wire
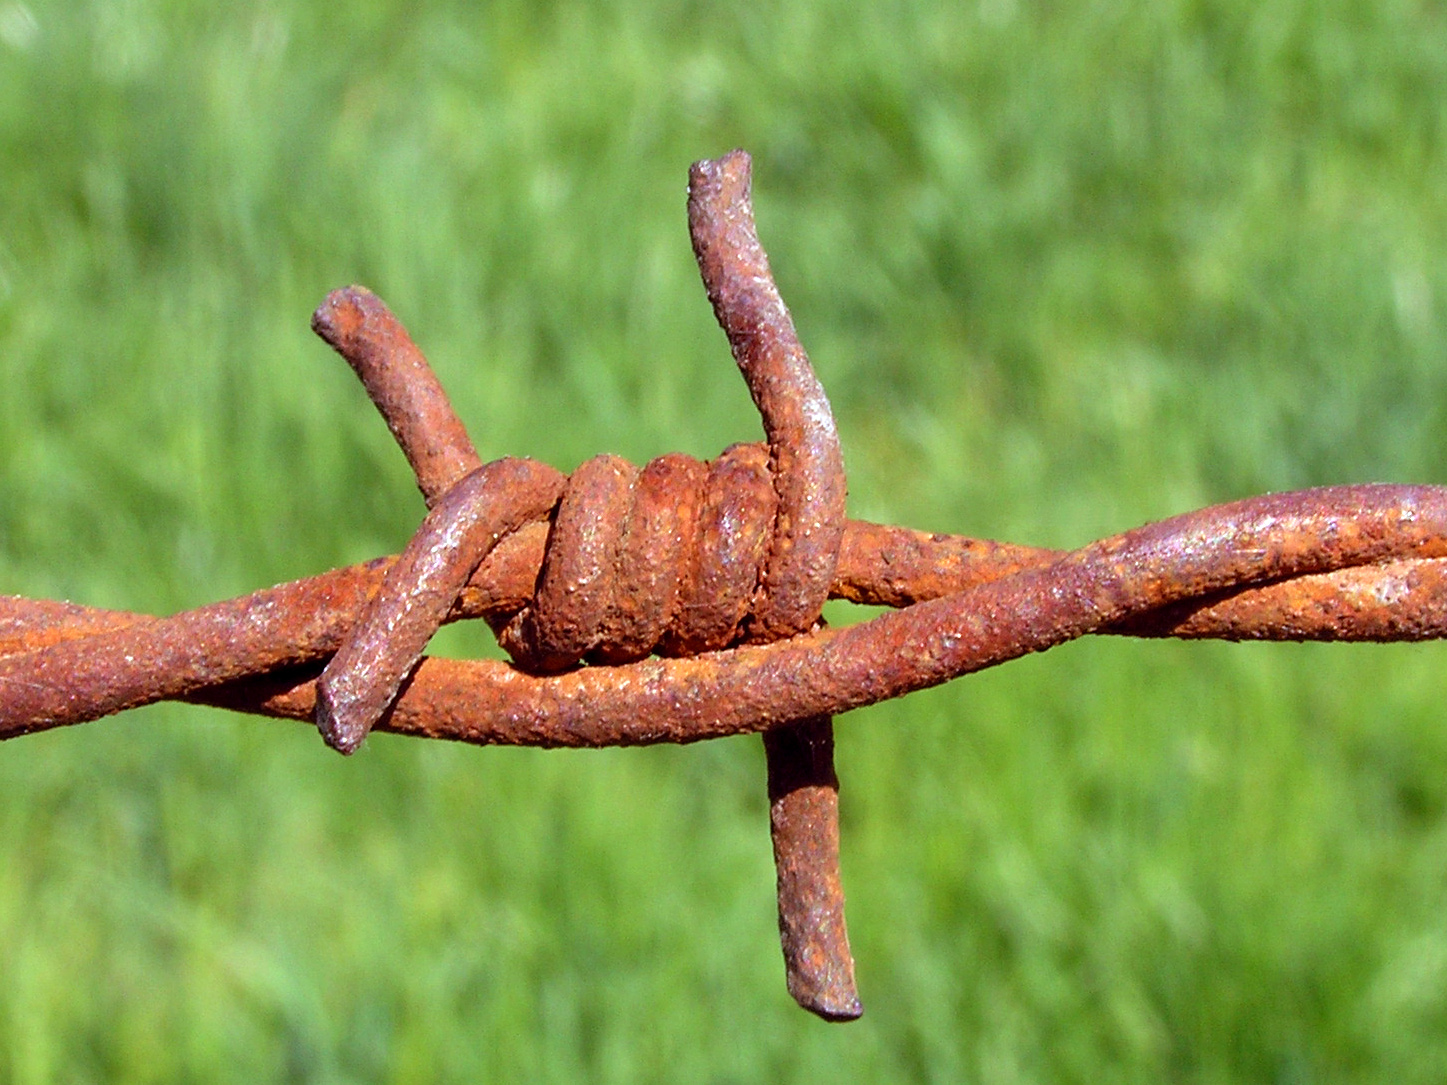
681 601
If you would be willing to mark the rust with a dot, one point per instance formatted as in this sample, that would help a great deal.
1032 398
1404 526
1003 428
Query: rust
804 825
680 601
1101 587
734 512
420 588
807 468
62 663
761 568
410 398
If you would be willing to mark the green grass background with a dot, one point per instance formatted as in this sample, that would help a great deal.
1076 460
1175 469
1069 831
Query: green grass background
1064 268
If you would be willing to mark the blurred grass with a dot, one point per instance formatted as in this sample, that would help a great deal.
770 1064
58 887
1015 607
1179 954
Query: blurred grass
1063 268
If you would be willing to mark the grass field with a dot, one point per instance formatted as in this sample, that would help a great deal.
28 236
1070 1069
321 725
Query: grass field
1064 268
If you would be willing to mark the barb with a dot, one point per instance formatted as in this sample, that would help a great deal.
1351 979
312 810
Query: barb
807 469
680 601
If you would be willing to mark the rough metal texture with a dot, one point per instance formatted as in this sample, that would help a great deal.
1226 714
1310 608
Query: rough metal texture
680 601
806 466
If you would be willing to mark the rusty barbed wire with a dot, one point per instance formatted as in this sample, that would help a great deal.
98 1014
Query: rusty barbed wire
680 601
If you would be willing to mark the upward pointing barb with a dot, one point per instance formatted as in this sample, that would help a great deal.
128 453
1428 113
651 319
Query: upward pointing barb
808 466
360 328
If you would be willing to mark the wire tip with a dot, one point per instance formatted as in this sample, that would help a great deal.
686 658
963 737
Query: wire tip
342 312
339 729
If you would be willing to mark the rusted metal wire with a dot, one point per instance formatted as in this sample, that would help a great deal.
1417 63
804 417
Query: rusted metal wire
680 601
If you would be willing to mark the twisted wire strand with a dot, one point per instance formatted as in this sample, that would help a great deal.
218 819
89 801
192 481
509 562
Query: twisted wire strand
1127 583
1212 576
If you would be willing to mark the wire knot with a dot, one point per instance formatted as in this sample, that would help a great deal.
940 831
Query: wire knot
679 557
668 558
